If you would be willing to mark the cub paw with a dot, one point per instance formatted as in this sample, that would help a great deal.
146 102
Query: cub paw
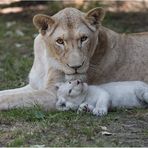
83 107
71 106
62 108
100 112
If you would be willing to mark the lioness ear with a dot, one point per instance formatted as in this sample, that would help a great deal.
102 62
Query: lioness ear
95 16
42 22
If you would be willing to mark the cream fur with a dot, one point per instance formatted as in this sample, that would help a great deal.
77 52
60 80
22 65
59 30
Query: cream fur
104 56
98 99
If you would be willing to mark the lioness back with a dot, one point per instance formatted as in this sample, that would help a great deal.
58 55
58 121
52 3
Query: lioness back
120 57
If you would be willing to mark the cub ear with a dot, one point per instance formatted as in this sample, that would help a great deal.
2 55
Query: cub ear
57 85
95 16
42 22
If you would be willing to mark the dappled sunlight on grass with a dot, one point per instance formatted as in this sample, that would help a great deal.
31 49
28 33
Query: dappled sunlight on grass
11 10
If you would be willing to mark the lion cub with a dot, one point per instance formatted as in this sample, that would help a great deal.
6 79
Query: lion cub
98 99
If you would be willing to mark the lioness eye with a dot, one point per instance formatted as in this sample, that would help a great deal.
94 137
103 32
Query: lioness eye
83 38
60 41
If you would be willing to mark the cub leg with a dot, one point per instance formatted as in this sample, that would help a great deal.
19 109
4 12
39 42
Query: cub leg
142 94
102 104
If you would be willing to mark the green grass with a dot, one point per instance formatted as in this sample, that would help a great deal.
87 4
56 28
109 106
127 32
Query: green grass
33 126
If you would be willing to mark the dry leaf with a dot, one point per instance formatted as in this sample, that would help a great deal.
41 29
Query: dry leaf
106 133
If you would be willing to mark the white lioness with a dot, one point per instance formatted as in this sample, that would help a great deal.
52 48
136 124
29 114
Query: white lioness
74 44
98 99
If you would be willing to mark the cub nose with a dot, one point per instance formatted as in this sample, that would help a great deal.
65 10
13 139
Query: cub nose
78 82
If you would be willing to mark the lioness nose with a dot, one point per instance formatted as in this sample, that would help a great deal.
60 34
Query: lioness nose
75 66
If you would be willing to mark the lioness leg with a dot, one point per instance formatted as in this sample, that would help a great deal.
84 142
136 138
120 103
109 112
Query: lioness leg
27 97
16 90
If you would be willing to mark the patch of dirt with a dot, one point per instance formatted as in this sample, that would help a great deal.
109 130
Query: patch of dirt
131 129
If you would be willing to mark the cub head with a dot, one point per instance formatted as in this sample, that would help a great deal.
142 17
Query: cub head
72 91
70 38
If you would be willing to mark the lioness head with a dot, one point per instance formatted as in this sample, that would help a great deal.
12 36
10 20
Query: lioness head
70 37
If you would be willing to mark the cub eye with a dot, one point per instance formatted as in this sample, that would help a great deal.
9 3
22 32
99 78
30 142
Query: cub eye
69 82
83 38
60 41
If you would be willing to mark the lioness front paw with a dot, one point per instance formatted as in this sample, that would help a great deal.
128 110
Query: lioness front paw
99 112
